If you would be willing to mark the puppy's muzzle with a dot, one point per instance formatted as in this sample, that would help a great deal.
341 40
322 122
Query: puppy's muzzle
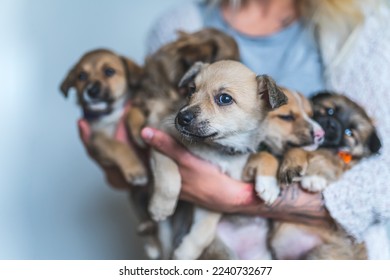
333 131
94 90
189 126
185 118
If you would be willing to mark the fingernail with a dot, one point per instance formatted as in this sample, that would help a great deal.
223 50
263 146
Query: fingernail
147 133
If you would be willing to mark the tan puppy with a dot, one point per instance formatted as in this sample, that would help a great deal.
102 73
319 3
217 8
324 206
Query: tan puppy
104 83
159 95
221 123
288 126
349 136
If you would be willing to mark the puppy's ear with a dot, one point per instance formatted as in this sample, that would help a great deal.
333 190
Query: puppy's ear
181 33
270 92
134 72
189 76
191 53
374 143
68 82
191 73
225 48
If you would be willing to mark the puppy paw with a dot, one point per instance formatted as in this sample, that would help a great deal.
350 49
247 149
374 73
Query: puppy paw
314 183
135 176
152 251
146 228
249 173
161 210
288 174
267 188
187 251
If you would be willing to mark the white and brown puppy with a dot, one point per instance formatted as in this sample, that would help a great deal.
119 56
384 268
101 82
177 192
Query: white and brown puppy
221 123
286 127
104 82
350 136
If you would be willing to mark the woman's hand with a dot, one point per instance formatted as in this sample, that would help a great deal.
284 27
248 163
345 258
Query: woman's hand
203 184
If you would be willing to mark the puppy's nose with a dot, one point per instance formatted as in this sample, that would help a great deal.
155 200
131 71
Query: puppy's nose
319 135
94 90
185 118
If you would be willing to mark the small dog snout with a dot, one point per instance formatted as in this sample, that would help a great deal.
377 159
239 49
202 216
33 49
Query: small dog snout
185 118
319 135
94 90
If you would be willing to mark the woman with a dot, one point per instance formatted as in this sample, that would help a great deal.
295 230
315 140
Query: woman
306 45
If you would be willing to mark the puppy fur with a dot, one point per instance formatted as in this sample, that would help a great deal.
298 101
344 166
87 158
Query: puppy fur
349 136
159 94
104 83
288 126
221 123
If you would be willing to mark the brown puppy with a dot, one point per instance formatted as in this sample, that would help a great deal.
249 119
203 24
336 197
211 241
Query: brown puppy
104 83
221 122
288 126
349 136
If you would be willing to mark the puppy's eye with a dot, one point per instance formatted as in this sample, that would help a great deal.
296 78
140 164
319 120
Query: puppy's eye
109 72
224 99
83 76
287 118
330 111
348 132
191 90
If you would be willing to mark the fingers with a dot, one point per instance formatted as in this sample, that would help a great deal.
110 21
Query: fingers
84 131
164 144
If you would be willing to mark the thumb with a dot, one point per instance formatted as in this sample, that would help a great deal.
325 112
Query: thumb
164 143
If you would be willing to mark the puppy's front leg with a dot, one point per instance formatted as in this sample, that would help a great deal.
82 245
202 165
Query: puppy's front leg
262 168
112 152
201 235
167 185
293 166
323 169
135 121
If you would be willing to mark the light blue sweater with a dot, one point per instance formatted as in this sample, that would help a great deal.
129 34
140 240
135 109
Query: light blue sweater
290 56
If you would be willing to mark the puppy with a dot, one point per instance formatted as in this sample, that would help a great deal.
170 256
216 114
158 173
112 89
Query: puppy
349 137
220 122
104 83
288 126
159 96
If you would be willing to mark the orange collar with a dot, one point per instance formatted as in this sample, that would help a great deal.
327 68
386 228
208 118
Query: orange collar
345 157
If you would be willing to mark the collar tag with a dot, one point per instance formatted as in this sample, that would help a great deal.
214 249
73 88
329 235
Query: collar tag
345 156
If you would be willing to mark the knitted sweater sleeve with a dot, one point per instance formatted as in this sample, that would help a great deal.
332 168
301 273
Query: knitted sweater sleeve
361 198
184 18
